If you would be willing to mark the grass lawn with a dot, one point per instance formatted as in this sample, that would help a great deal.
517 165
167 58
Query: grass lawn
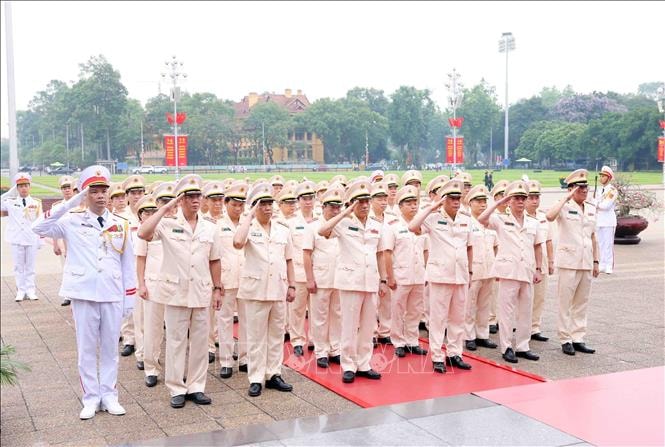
546 177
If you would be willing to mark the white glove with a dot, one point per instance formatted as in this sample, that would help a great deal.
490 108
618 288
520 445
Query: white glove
11 194
127 306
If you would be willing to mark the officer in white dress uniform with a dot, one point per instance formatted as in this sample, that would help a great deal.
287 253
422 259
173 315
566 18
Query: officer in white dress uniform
100 279
606 219
22 210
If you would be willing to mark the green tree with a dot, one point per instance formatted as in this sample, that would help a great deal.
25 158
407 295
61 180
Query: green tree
410 114
271 123
481 113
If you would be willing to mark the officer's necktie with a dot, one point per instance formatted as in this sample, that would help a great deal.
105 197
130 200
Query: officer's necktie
100 219
24 201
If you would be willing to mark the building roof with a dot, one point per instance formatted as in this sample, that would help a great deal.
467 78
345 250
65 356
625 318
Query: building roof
292 103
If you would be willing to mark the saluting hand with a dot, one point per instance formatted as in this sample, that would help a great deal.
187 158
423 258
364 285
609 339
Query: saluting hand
573 191
348 210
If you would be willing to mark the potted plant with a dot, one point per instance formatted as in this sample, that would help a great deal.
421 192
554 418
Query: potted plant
632 198
9 367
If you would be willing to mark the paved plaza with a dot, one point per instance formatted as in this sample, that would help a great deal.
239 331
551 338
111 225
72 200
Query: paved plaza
626 327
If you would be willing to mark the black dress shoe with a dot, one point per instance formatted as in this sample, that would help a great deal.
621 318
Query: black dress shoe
494 328
417 350
400 352
211 357
422 326
335 359
439 367
457 362
527 355
242 368
470 345
254 389
66 302
297 351
277 383
198 398
509 356
583 348
348 376
178 401
322 362
369 374
485 343
310 347
375 343
384 340
140 365
539 337
150 381
216 344
235 356
127 350
225 372
287 337
567 348
235 318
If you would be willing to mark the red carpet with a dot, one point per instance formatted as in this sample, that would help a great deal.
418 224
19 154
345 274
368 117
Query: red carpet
624 408
409 378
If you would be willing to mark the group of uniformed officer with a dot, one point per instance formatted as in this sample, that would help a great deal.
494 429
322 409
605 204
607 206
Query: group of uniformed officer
364 261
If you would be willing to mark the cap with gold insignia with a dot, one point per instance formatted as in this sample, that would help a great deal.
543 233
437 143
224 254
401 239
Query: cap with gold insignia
436 183
189 185
227 182
22 178
340 178
606 170
116 189
277 180
391 180
306 188
376 176
517 188
379 189
499 188
477 192
412 176
578 177
213 188
322 186
358 190
261 180
149 188
451 188
287 194
66 180
293 184
94 175
237 191
165 190
361 178
464 176
260 191
534 187
333 196
145 203
407 192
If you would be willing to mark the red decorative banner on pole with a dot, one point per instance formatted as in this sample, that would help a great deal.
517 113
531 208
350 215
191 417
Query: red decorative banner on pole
456 122
450 146
169 149
182 150
662 124
661 149
180 117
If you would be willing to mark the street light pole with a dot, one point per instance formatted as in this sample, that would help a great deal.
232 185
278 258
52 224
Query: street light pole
660 100
11 91
366 149
175 74
455 100
506 44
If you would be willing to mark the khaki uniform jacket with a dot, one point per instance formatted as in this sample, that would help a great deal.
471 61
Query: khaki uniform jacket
448 261
263 276
297 226
516 259
546 230
483 241
407 251
324 255
153 253
232 260
576 225
184 278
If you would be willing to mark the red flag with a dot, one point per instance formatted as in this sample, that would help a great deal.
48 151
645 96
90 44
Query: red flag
169 118
662 124
181 117
456 122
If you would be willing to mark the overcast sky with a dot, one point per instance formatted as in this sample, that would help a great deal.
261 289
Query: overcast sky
325 49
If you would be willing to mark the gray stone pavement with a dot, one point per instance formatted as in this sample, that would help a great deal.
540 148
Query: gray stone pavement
625 325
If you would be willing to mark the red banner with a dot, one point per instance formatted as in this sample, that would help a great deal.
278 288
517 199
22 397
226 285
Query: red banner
661 149
662 124
450 146
169 148
180 117
456 122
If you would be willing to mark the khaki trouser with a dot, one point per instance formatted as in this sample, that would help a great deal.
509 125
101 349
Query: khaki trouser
476 320
358 323
425 314
326 322
407 308
493 300
539 293
515 303
296 310
574 288
127 330
137 314
153 332
383 311
212 332
224 325
265 338
178 321
446 307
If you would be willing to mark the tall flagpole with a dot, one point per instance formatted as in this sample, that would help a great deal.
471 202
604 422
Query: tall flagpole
11 91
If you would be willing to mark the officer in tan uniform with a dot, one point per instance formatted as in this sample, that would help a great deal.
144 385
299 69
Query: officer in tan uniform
405 257
517 266
379 203
466 179
118 198
189 278
149 258
232 264
287 203
546 228
497 194
485 244
266 281
414 178
277 183
392 184
359 276
319 259
448 272
576 261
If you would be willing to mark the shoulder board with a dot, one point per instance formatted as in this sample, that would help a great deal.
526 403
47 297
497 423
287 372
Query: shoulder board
118 215
590 203
374 218
394 221
281 222
314 219
389 212
169 217
77 210
209 219
36 199
464 212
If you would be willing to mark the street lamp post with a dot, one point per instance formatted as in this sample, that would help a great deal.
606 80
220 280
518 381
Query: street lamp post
660 100
454 87
506 45
175 73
